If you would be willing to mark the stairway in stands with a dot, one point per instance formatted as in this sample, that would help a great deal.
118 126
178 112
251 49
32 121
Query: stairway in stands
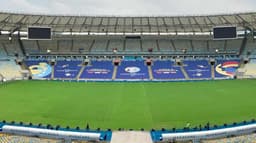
52 66
150 73
80 72
23 65
213 71
184 73
131 137
52 74
114 73
4 138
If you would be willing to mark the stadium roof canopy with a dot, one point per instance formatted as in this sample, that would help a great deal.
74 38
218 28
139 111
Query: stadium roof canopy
89 24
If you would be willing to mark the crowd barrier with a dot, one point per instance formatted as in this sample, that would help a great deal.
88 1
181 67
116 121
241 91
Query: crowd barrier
132 80
55 133
205 133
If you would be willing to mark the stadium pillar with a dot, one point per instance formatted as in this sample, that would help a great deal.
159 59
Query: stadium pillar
21 45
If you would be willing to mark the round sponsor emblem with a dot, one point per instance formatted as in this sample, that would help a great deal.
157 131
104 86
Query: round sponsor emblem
68 74
227 68
40 70
132 69
199 74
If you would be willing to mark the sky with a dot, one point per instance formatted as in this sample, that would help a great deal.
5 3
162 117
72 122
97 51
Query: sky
128 7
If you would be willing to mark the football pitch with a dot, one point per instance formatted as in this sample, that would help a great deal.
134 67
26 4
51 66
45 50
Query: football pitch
128 105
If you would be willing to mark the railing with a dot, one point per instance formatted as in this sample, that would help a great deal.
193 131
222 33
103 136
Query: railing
57 132
206 132
133 53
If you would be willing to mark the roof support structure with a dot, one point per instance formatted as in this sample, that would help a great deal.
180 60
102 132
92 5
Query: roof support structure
161 24
245 23
83 25
181 25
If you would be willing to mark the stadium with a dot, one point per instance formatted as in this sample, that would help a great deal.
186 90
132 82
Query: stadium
114 79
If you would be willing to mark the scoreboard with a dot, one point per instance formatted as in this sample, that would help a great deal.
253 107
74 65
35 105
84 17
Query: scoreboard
225 32
39 33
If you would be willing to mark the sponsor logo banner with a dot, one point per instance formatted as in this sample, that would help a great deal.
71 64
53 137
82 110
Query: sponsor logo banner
41 70
227 68
98 71
166 71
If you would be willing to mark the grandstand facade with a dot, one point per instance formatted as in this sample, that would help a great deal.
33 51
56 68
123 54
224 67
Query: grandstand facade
114 38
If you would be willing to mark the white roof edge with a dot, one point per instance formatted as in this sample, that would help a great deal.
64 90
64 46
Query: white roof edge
123 16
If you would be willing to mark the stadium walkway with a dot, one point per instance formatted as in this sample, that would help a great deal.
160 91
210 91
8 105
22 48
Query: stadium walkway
131 137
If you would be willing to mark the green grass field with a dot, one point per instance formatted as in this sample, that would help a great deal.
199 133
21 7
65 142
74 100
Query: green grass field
128 105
